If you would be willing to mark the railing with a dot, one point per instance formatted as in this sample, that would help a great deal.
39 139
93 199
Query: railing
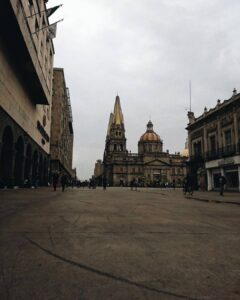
226 151
213 154
69 105
197 157
229 150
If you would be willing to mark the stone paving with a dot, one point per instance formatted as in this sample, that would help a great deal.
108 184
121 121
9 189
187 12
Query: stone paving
118 244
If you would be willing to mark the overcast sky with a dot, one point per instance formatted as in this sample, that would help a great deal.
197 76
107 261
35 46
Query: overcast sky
146 51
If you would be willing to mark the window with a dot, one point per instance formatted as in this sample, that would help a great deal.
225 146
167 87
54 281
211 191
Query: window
36 26
41 49
197 148
212 143
46 62
133 170
121 147
115 147
228 137
120 134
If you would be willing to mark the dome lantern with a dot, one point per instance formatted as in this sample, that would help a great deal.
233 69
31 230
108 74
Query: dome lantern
150 135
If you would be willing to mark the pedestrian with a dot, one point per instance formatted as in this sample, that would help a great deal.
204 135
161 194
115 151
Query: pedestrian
63 182
36 183
174 184
188 184
222 181
104 181
55 181
132 183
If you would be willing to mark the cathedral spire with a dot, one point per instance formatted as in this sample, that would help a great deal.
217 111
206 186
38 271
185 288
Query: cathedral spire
118 115
110 123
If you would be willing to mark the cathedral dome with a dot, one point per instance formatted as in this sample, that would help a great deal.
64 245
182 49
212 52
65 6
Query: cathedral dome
150 135
185 153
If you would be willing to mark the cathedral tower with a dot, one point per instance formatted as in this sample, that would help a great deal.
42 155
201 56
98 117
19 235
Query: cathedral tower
115 147
116 141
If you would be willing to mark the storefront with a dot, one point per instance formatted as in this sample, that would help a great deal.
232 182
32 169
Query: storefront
228 167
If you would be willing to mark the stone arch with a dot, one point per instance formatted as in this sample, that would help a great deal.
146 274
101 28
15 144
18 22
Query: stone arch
40 170
19 159
6 159
35 167
45 171
28 163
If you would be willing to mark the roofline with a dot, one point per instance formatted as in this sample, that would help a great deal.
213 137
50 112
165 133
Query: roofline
214 110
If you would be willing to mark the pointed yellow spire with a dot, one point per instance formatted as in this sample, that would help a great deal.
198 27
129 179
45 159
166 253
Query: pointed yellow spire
110 123
118 115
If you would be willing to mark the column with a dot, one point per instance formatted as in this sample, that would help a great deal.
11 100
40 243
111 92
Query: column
235 124
205 142
222 172
219 135
239 178
209 180
11 179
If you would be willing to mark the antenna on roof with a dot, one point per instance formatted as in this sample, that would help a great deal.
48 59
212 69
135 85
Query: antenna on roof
190 95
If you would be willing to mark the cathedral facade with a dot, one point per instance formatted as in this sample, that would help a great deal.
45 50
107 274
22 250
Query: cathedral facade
151 166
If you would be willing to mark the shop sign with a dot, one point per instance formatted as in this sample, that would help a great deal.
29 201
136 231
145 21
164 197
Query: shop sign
226 161
42 131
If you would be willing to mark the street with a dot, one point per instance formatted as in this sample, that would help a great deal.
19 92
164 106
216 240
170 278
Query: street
117 244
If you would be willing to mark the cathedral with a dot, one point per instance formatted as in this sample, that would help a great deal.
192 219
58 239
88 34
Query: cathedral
151 166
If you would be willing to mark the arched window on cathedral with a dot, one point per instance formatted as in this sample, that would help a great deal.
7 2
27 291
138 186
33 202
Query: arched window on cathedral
121 147
115 147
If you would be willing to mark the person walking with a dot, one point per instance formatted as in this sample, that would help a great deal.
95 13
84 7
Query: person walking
222 182
55 181
104 182
63 182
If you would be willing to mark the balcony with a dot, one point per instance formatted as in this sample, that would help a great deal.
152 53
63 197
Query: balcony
20 53
199 157
229 150
213 154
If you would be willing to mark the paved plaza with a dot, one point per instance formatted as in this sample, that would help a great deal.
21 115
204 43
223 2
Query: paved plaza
118 244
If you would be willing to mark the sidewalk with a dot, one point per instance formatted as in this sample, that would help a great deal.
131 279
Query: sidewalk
213 196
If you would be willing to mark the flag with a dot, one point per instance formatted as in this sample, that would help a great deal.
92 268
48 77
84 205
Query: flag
52 30
52 10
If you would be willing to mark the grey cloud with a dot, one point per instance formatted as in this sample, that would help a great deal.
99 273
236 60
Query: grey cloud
147 51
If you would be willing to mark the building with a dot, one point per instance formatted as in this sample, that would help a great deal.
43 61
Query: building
151 166
214 144
98 171
61 145
26 64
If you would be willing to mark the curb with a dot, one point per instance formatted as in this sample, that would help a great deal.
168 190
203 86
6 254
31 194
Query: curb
213 201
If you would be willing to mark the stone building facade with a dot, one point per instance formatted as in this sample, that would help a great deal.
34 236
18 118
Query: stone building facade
61 145
26 64
214 144
151 166
98 171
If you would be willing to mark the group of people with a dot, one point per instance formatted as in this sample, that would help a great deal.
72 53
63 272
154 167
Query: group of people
63 181
189 184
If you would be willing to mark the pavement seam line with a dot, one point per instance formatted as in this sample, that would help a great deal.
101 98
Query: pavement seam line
108 275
